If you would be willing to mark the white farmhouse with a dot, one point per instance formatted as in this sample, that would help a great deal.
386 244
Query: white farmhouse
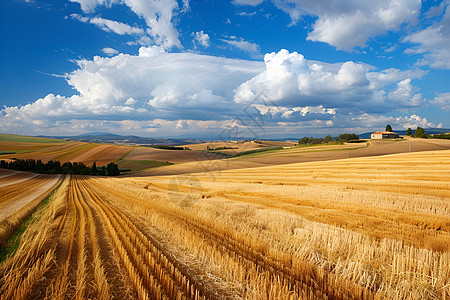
384 135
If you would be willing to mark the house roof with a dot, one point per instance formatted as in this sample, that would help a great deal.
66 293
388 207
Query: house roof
384 132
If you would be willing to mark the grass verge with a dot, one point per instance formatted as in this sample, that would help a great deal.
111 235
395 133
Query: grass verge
249 152
4 137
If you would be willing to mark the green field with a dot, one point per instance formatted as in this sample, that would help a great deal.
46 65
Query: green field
4 137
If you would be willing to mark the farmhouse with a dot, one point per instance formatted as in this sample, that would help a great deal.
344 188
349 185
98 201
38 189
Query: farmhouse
384 135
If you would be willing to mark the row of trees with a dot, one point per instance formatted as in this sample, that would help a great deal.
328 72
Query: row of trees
345 137
420 132
55 167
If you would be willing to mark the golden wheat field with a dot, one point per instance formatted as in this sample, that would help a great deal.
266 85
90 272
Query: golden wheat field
357 228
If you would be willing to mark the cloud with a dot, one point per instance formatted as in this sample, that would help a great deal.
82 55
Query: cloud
110 51
404 96
291 80
433 43
442 101
244 45
153 84
246 14
413 122
401 122
90 5
391 49
201 38
436 10
110 25
248 2
157 14
165 94
348 24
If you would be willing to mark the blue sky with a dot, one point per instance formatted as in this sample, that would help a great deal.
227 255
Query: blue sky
273 68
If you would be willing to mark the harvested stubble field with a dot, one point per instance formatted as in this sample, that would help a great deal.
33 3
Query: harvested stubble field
360 228
20 194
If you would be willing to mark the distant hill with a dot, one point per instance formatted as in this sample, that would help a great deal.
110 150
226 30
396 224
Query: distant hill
366 135
106 137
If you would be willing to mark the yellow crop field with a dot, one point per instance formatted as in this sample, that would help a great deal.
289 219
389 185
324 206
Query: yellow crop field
356 228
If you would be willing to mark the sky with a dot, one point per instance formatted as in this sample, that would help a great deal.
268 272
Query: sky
223 69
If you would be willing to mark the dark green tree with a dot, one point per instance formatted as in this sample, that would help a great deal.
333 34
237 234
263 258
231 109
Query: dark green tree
345 137
327 139
409 132
112 169
94 169
388 128
304 141
419 132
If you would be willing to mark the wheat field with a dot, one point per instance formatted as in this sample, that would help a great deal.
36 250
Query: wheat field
358 228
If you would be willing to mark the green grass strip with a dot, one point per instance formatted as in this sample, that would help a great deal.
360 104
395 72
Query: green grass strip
249 152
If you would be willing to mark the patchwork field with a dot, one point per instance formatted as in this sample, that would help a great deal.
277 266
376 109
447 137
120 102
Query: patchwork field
135 158
232 148
355 228
304 154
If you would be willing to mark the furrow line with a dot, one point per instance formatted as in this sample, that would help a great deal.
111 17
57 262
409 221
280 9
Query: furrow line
102 287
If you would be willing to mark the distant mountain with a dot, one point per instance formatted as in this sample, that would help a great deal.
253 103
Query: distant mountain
106 137
366 135
98 134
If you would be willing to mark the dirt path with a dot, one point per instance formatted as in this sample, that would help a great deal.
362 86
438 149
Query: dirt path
16 178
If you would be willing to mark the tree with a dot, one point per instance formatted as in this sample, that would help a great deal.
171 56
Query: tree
419 132
409 132
388 128
94 169
327 139
112 169
345 137
304 141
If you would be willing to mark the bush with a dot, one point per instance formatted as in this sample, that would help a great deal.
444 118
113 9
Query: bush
420 132
345 137
442 136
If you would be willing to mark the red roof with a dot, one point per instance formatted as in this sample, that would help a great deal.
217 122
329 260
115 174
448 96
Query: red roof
384 132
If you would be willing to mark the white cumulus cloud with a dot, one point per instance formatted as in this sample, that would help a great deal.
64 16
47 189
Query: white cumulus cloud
156 92
153 84
201 38
442 101
110 51
290 79
347 24
157 14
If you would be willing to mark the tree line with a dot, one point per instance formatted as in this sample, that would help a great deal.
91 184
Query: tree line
345 137
55 167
